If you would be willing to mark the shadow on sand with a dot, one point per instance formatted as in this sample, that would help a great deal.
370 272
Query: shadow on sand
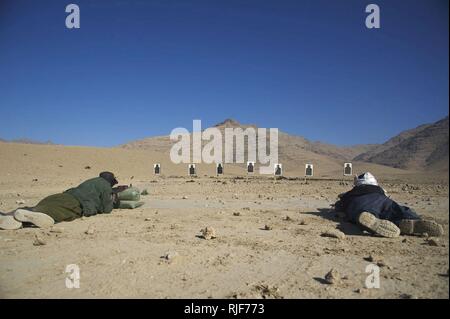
344 225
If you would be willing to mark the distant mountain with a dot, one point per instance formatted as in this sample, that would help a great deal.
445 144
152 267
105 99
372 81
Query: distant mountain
26 141
291 148
425 147
300 143
366 156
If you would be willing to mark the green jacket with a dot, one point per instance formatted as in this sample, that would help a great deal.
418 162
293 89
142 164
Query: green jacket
94 195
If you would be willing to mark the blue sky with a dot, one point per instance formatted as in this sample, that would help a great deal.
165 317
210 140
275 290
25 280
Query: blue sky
141 68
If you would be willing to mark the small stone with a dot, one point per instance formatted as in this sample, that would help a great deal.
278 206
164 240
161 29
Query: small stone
332 277
374 259
287 218
90 230
20 202
170 256
433 242
55 229
334 233
208 233
38 241
267 227
87 167
144 192
268 291
184 197
303 222
148 219
236 214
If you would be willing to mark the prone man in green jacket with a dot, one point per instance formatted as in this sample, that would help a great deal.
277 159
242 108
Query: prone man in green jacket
94 196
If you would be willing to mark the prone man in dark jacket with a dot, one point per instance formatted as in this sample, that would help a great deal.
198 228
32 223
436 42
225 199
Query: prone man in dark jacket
94 196
367 205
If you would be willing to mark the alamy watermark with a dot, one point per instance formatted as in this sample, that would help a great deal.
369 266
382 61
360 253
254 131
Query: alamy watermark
73 276
73 19
233 145
373 279
373 19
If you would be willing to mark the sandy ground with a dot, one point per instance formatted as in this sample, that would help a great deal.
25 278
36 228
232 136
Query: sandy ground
121 254
122 257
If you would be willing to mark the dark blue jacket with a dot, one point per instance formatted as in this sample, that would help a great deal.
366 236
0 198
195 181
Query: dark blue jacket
372 199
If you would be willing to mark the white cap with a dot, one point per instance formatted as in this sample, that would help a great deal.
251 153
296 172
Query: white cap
365 179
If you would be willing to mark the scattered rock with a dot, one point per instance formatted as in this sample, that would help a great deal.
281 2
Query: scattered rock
267 227
184 197
87 167
170 256
433 242
303 222
148 219
236 214
208 233
38 241
332 277
374 259
20 202
90 230
334 233
287 218
55 229
268 291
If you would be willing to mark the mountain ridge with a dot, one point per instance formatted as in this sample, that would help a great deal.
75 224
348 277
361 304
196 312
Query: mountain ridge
391 153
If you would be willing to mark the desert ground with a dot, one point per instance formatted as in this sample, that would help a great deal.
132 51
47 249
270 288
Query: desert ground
156 251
